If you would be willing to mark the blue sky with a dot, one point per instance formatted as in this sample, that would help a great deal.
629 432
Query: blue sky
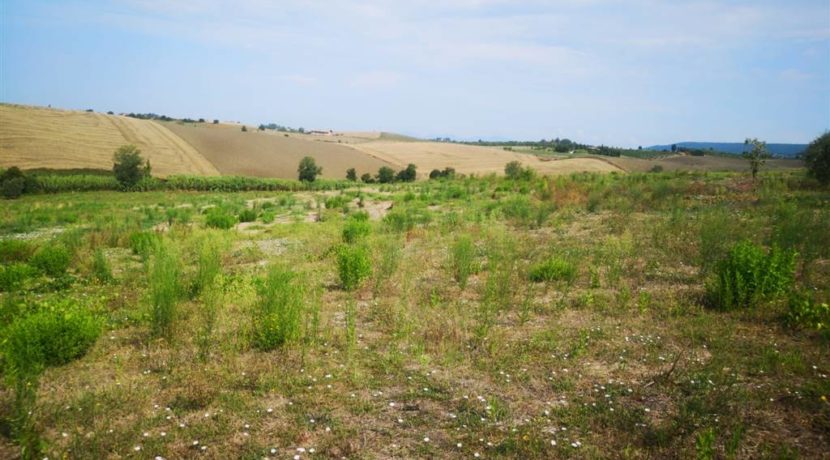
628 73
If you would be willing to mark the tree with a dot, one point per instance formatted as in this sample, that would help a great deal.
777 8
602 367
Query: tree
244 129
351 174
409 174
366 178
308 169
757 155
435 174
817 158
386 175
128 166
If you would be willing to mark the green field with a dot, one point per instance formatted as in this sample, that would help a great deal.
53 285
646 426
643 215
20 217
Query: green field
578 316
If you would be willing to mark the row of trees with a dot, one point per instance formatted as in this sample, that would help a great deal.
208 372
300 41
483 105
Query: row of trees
385 175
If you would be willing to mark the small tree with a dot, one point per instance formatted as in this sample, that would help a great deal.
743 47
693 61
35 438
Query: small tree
128 166
817 158
308 169
409 174
757 155
386 175
244 129
351 174
367 178
513 170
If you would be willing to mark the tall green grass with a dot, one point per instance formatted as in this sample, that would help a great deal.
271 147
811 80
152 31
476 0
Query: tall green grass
277 314
164 272
462 260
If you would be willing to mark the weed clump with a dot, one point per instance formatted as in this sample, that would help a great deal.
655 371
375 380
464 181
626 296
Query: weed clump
804 311
247 215
353 266
52 260
143 243
749 275
219 218
462 260
15 251
277 314
101 268
355 230
553 269
13 276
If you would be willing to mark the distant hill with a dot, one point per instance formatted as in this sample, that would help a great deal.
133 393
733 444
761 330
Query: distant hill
736 148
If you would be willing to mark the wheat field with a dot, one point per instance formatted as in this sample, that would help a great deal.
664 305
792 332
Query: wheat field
34 137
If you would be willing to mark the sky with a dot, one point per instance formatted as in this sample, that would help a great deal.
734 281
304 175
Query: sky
614 72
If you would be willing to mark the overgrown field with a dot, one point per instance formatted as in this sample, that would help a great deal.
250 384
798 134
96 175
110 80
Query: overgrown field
670 315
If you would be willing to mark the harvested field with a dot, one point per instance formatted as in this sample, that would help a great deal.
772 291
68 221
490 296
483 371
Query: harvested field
34 137
272 154
692 163
468 159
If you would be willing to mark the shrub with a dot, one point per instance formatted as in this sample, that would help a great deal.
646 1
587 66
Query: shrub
52 260
462 260
164 289
387 257
128 166
804 311
817 158
353 266
13 188
14 275
366 178
407 175
308 169
553 269
277 313
48 338
514 170
15 251
749 274
219 218
351 175
355 230
248 215
101 268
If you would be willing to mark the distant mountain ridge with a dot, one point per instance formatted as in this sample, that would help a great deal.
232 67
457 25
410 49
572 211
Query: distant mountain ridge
736 148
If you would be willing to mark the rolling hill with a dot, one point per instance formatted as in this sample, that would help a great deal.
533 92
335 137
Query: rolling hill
36 137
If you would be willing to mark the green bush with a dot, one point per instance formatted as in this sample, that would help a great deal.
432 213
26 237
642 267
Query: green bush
806 312
749 275
817 158
462 260
164 289
13 188
52 260
355 230
48 338
248 215
14 275
353 265
553 269
219 218
277 314
128 166
143 243
15 251
208 267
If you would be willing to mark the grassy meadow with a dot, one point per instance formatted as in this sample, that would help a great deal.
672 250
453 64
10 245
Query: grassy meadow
643 315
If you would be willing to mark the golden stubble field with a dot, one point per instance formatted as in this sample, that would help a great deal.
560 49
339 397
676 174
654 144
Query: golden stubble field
34 137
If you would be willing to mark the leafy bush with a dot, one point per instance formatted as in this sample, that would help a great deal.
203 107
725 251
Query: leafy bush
351 175
353 265
52 260
515 171
15 251
164 288
804 311
13 188
14 275
48 338
749 274
248 215
277 314
219 218
386 175
407 175
128 166
355 230
817 158
553 269
462 260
